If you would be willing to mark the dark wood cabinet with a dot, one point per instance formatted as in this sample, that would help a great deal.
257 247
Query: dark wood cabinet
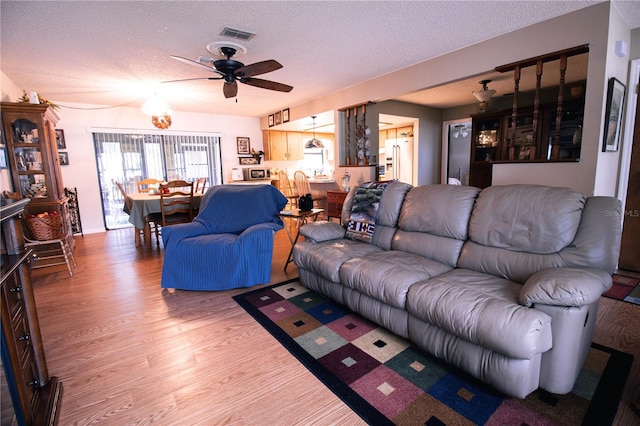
34 394
493 141
335 200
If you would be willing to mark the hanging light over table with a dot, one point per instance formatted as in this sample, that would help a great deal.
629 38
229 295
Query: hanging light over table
159 111
314 143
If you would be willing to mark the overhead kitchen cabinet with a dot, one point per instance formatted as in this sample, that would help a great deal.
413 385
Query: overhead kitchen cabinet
282 146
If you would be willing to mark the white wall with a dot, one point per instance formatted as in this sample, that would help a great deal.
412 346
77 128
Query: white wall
586 26
82 171
10 93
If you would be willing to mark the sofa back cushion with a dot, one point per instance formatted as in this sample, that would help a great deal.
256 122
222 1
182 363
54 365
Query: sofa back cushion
526 218
517 230
434 221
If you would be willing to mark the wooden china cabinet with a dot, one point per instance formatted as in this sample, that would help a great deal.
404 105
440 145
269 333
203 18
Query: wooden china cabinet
29 130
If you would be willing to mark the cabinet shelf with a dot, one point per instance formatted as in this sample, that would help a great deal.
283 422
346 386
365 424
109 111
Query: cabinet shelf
493 141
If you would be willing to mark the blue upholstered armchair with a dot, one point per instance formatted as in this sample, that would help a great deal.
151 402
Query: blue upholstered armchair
229 244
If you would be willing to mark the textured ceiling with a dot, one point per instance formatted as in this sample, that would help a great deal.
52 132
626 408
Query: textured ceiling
116 53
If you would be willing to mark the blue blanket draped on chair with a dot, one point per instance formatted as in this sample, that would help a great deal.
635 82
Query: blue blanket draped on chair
229 244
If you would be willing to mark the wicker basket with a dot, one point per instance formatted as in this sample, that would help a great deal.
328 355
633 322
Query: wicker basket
45 228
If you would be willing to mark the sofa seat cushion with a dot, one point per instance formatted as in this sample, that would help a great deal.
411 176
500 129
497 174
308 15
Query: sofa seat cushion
482 309
387 276
325 258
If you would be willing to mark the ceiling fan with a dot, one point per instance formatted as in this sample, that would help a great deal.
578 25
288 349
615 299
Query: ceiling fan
232 71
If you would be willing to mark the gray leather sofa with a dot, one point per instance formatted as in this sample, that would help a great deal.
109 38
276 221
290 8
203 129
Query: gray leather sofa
503 283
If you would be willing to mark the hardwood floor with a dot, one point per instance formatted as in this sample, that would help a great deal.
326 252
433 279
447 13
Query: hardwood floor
129 352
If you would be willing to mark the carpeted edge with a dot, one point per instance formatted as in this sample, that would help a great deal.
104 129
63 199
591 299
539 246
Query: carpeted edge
609 391
358 404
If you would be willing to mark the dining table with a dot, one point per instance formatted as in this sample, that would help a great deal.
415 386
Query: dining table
142 205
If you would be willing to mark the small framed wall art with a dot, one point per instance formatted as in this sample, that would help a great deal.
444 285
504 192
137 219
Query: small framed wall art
271 120
285 115
62 144
613 115
248 160
278 117
244 147
64 158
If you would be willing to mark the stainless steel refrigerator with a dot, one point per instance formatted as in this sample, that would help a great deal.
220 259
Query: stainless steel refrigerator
398 160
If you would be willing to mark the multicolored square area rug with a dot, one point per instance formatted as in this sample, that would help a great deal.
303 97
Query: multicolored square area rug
387 380
624 288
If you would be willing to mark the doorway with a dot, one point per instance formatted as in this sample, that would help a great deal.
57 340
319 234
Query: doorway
456 149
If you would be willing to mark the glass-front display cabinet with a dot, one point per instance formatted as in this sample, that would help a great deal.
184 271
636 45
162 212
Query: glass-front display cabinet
32 151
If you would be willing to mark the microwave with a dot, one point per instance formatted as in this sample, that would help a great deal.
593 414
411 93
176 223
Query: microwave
256 173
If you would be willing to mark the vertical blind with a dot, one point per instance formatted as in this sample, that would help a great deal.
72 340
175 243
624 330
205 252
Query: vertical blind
130 157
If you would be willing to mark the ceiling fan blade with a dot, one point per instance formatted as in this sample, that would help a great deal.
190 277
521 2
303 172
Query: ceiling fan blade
191 79
230 90
266 84
258 68
195 64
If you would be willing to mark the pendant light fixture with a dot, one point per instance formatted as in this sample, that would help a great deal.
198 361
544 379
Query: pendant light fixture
484 95
314 143
159 111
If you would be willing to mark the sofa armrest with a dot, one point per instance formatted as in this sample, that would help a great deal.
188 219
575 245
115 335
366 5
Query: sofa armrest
322 231
181 231
565 287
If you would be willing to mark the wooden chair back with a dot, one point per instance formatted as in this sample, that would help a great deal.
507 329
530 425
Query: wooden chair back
176 202
127 201
287 189
146 185
201 184
302 183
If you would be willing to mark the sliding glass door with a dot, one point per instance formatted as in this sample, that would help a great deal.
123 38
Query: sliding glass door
129 157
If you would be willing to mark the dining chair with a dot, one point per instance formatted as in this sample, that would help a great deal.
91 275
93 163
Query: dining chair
303 187
176 205
287 190
127 209
201 184
146 185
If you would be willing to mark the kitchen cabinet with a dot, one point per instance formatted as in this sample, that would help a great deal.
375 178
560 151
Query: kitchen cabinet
29 130
35 395
282 146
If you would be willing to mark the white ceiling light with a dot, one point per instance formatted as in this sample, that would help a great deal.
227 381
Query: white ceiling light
484 95
159 111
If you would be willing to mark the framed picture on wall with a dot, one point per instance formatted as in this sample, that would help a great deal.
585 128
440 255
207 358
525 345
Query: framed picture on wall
62 144
248 161
271 120
285 115
278 117
64 158
613 115
244 147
